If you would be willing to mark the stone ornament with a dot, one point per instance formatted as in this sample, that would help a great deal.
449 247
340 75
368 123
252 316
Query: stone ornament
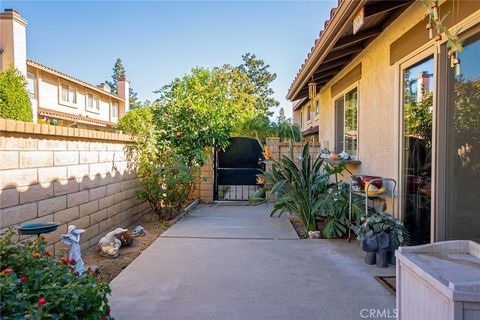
109 244
72 239
379 248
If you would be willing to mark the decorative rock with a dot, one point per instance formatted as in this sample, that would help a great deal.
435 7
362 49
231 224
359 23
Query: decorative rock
314 234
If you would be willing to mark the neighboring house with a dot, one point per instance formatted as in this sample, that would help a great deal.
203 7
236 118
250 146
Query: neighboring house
58 98
386 94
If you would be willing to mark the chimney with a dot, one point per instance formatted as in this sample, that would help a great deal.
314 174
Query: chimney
13 42
105 87
124 90
423 85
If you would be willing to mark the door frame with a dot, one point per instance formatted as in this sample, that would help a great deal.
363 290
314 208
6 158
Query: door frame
430 51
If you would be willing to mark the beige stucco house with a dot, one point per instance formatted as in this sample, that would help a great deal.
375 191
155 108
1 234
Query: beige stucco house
58 98
385 92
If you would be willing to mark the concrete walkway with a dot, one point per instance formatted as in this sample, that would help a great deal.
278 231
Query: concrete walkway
231 262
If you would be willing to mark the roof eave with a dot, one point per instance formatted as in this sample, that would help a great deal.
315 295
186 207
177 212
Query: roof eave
337 23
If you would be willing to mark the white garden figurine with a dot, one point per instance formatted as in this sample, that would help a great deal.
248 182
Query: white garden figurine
109 245
72 239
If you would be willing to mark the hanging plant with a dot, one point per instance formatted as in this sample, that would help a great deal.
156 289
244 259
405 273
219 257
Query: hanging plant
454 42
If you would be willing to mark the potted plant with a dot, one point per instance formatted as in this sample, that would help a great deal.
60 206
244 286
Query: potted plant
381 234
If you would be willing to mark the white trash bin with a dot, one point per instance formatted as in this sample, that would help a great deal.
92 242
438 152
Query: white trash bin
439 281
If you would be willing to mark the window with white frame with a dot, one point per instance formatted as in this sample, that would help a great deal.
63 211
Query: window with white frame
68 94
93 103
346 132
317 107
31 85
114 111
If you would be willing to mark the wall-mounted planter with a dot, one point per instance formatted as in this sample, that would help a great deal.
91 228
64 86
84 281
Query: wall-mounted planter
439 281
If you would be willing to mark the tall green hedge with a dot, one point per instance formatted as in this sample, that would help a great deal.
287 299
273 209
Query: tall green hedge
14 100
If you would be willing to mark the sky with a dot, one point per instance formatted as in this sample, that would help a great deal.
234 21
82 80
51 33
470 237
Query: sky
161 40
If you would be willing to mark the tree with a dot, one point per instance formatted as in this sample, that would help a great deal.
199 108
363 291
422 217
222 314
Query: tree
14 100
281 116
258 72
207 105
119 70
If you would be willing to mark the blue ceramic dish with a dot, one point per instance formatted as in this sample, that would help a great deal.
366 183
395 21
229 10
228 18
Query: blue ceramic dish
37 228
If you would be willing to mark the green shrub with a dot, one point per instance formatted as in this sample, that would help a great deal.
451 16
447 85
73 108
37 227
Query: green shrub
36 285
14 100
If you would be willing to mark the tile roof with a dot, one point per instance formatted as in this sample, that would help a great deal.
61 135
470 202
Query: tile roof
72 117
325 25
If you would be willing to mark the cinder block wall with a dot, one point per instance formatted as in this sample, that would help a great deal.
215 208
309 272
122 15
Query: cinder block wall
280 148
66 175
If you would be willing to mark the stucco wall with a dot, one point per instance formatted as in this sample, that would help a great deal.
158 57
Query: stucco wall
378 101
68 176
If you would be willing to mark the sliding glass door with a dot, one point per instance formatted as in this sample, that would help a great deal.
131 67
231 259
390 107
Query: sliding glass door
462 148
418 85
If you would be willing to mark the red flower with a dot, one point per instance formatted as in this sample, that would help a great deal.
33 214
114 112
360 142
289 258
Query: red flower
36 255
48 253
41 301
23 279
91 272
76 274
64 260
108 310
42 237
72 261
70 268
103 318
7 271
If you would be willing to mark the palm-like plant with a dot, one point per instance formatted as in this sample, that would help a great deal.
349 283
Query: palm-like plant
297 187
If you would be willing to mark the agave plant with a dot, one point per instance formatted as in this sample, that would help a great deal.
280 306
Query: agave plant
297 186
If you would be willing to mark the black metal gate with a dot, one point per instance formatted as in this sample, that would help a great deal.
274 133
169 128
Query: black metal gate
236 169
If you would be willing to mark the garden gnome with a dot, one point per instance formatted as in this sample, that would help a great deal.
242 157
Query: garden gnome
109 245
72 239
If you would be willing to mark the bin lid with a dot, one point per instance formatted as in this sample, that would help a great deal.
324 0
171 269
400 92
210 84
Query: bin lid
455 265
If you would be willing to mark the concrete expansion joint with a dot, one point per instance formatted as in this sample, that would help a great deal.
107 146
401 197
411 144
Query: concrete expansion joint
227 238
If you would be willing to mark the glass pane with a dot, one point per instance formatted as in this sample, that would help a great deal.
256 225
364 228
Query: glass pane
64 92
339 125
317 107
351 123
417 152
90 101
463 148
71 95
114 110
